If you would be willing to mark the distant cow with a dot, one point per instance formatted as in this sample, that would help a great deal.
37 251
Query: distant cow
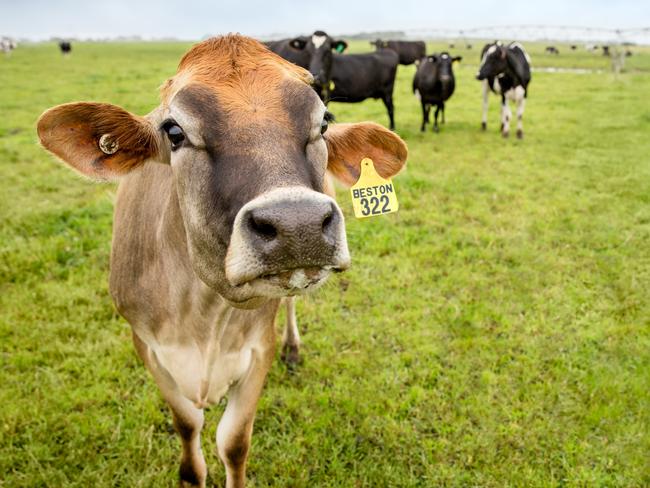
219 214
7 45
606 51
506 71
65 47
313 53
356 77
552 50
408 51
433 84
573 47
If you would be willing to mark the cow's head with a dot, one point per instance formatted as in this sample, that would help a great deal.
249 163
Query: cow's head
320 47
493 61
248 143
444 65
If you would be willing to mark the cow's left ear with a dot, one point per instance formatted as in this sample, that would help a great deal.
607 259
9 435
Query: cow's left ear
348 144
298 43
456 58
339 45
99 140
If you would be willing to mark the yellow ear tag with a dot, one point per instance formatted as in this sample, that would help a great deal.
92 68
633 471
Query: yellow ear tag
372 195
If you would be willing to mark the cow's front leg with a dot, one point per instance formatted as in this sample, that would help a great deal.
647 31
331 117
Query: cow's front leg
188 420
521 102
236 425
486 93
291 336
435 119
505 117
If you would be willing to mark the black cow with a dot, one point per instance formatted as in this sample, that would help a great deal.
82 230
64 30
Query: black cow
313 53
506 71
356 77
552 50
408 51
65 47
433 84
606 51
573 47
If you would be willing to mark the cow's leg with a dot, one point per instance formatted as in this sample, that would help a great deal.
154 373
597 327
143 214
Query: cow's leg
236 425
435 119
291 337
521 102
388 101
505 117
443 112
425 116
486 93
188 420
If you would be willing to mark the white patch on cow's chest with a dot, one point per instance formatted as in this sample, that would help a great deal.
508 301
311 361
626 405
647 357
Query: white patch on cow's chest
318 40
201 379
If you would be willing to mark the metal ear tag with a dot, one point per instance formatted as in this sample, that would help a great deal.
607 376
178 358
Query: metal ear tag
108 145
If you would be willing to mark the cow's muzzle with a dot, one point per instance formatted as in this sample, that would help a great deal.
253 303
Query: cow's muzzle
286 242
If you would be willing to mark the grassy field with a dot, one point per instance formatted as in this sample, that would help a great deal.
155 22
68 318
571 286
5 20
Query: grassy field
494 333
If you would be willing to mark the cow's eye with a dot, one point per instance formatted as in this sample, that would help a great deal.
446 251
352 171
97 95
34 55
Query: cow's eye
328 117
174 134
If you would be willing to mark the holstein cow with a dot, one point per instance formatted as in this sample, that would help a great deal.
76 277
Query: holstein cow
506 71
357 77
219 214
434 84
65 47
7 45
313 53
408 51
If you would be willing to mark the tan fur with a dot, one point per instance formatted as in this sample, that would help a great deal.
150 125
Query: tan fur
348 144
72 132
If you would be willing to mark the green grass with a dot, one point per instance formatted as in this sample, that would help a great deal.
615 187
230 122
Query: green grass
495 332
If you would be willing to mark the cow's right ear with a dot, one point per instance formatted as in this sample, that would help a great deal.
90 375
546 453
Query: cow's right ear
99 140
348 144
298 43
339 45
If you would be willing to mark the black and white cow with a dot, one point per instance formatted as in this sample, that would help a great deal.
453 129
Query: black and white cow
434 84
506 71
313 53
356 77
65 47
7 45
408 51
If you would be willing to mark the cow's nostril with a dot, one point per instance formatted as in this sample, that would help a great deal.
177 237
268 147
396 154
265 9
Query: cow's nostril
327 221
263 228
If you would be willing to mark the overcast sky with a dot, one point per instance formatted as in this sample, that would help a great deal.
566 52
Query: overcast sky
193 19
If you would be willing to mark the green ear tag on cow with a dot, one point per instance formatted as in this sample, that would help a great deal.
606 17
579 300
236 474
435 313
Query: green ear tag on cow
372 195
340 48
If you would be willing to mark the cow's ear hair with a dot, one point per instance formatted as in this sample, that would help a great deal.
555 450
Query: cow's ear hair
99 140
339 45
298 43
456 58
348 144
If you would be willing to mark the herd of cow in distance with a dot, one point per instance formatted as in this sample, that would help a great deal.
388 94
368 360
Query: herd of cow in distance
351 78
225 209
